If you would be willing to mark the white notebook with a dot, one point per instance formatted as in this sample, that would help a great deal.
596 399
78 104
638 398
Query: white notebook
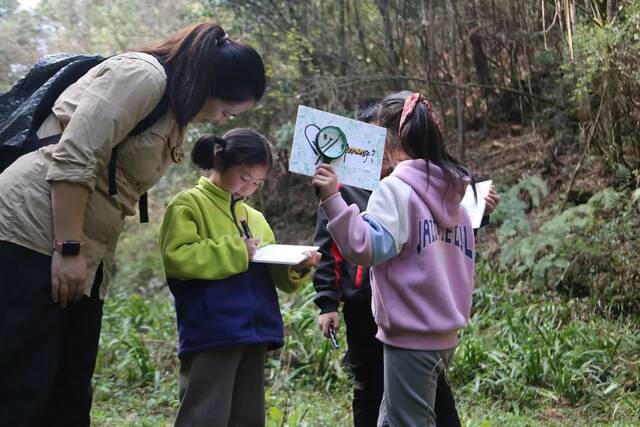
476 210
282 254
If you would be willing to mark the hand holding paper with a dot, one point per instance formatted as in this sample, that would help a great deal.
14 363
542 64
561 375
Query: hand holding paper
492 199
313 258
476 208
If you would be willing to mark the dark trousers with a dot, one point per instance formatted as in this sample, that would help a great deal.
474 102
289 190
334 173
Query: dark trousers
364 357
223 386
47 353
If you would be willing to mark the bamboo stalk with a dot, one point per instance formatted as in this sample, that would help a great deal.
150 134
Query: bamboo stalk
567 15
544 26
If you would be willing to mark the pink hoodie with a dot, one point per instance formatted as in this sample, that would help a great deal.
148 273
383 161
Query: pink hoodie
420 241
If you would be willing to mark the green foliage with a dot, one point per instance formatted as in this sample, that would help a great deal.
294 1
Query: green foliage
595 49
137 357
307 355
525 359
605 45
524 348
7 8
107 27
606 82
138 261
515 202
19 34
284 136
585 250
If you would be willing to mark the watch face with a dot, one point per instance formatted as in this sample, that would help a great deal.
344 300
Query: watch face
70 248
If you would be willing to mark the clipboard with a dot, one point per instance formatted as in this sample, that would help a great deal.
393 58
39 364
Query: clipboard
282 254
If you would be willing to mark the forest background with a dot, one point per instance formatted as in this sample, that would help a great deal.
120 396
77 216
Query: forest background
542 96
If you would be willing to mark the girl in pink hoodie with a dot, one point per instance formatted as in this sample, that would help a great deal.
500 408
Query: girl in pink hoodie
420 242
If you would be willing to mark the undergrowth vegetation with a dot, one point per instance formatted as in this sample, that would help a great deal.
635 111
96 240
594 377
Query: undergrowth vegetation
587 251
537 351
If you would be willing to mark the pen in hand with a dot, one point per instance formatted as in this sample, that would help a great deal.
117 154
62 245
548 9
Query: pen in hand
332 336
245 228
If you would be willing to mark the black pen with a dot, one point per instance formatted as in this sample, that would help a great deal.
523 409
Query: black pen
245 228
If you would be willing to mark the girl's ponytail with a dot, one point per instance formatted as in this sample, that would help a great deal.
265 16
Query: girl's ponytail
237 147
205 151
411 119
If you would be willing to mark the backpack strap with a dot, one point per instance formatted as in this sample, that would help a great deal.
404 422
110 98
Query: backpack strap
142 126
113 187
143 208
153 116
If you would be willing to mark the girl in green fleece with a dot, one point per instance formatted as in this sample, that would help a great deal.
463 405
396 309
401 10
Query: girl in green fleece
227 307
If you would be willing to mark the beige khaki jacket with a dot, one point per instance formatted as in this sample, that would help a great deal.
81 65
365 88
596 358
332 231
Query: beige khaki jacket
94 115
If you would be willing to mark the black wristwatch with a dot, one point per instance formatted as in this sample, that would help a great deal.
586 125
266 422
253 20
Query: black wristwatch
67 247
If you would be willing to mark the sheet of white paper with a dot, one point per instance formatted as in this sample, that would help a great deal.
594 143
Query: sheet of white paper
359 166
476 210
282 254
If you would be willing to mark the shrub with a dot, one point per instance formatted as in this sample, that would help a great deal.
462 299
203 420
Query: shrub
588 250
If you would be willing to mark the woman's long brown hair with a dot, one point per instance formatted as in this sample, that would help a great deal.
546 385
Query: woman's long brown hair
201 61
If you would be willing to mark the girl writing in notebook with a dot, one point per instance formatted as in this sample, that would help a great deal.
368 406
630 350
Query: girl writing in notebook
421 245
227 307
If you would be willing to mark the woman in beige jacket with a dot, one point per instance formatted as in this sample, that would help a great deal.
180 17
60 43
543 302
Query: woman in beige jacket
59 225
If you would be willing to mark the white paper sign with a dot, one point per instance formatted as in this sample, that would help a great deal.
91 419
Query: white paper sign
282 254
476 209
359 145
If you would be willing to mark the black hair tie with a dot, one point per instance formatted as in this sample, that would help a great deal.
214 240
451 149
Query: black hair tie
220 40
218 140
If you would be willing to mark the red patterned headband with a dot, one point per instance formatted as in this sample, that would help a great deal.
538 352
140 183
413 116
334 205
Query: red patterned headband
410 105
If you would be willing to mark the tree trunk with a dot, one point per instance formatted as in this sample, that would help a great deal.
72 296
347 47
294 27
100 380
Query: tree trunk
480 62
342 39
360 32
387 35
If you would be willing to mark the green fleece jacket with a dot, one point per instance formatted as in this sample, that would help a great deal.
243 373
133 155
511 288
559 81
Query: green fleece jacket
221 298
201 237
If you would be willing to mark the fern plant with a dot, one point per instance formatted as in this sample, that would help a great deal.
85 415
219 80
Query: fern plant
587 250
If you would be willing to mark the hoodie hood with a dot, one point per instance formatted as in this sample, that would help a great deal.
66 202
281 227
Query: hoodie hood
440 194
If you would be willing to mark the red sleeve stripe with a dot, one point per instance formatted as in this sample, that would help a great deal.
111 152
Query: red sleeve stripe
358 276
337 262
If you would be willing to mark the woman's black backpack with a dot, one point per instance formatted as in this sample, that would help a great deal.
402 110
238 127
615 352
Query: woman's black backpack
25 106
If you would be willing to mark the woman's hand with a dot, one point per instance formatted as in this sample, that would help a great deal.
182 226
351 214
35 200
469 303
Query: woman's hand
68 272
68 276
325 320
252 247
326 180
492 199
